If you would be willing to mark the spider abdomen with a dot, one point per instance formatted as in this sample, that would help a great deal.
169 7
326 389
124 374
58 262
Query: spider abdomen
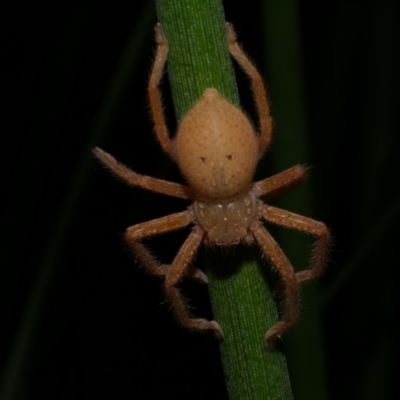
217 148
226 224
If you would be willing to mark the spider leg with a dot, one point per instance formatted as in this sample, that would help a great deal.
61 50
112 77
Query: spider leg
304 224
286 271
145 182
175 274
155 95
257 86
278 184
155 227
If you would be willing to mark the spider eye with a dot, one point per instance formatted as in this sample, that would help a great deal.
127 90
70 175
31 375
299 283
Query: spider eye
203 159
229 156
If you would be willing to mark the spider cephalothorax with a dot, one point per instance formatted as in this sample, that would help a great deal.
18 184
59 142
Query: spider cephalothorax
217 151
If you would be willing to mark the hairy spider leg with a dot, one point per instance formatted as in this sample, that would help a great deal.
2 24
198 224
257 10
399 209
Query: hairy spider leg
154 93
279 184
143 181
158 226
279 260
307 225
174 276
179 267
258 87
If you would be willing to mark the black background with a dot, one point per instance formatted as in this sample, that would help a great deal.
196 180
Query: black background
79 319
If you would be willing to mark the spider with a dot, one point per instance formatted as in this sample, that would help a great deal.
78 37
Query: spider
217 151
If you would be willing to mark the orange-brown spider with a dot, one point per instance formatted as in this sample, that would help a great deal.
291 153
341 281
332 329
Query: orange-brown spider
217 151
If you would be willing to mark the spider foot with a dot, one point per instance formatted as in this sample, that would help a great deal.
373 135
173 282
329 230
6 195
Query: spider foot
272 335
160 38
198 274
230 33
202 324
105 158
216 328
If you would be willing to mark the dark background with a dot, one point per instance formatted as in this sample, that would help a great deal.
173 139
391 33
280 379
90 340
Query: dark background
79 319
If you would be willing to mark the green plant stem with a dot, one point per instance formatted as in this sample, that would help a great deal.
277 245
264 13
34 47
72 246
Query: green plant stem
242 303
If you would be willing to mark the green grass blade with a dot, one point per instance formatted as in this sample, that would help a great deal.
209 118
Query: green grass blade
241 301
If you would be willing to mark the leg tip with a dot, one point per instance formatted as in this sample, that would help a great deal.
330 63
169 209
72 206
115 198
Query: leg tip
216 328
201 276
204 325
270 343
105 158
272 335
230 33
196 273
160 38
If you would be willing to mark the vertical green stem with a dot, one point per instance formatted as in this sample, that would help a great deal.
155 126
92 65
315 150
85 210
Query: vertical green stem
242 304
